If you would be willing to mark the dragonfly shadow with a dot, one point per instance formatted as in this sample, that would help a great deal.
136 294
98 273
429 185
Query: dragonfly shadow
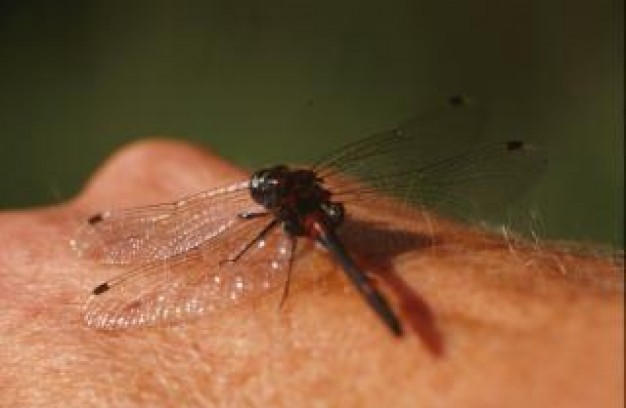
376 245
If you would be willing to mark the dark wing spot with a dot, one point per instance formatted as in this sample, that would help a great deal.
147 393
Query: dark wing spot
94 219
103 287
514 145
458 100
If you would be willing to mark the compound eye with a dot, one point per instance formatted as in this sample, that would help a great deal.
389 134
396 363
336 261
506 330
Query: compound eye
271 195
266 187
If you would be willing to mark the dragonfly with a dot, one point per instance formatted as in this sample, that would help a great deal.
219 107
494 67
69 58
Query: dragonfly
219 248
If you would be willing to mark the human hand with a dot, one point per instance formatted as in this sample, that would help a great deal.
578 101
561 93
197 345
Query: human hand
488 321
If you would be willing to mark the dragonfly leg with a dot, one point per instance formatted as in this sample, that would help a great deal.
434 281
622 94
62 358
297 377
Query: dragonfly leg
248 215
288 280
250 244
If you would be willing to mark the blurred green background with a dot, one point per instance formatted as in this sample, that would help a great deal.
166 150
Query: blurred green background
274 81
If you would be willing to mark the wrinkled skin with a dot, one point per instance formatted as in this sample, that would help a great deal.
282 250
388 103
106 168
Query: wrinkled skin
488 322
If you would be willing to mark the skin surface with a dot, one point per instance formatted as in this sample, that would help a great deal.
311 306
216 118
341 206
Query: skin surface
488 322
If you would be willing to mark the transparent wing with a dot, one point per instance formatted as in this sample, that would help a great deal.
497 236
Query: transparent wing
143 234
196 282
445 132
437 163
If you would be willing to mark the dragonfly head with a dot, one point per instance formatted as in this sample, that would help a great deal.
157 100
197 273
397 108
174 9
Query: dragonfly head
269 186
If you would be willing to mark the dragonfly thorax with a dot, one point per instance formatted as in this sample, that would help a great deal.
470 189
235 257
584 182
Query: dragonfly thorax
297 197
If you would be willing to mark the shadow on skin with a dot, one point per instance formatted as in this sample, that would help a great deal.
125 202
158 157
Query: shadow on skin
375 245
